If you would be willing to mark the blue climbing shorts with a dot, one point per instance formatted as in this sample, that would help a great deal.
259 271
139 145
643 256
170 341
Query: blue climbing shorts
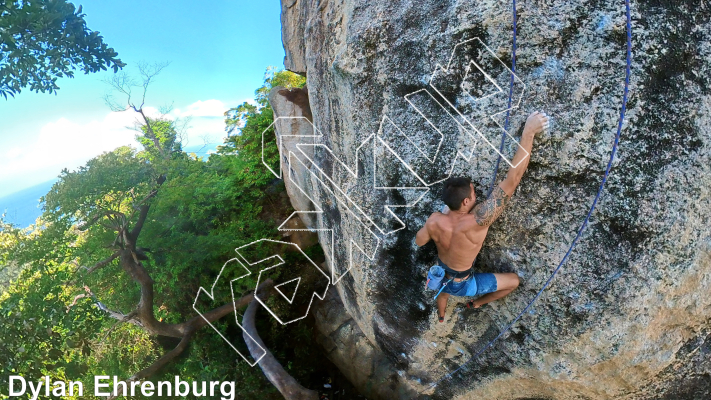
476 285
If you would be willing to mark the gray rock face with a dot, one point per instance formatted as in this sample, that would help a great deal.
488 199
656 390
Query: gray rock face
628 315
293 121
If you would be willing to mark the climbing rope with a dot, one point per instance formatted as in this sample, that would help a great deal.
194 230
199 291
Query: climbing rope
592 207
508 108
442 288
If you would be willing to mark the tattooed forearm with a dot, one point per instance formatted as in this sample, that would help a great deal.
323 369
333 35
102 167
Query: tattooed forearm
489 210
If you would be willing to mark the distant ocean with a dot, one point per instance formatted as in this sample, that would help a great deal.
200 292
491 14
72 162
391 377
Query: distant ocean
202 150
22 208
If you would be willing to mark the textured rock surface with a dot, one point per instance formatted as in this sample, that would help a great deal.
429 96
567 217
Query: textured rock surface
368 368
628 315
293 120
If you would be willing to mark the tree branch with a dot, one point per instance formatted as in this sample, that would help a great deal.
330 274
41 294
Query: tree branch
139 224
190 327
125 318
144 210
277 375
159 363
102 214
149 130
102 263
145 305
144 310
219 312
148 72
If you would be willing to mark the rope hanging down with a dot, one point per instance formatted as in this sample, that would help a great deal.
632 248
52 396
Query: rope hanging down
508 108
597 197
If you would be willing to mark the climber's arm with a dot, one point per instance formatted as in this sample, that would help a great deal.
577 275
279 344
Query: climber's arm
488 211
423 235
535 123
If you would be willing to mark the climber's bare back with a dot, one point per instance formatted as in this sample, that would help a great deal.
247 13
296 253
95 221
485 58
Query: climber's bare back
460 233
458 238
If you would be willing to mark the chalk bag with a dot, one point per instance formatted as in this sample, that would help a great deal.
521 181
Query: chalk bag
434 277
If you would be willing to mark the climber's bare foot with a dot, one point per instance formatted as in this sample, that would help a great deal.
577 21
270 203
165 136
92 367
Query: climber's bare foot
473 304
537 122
442 305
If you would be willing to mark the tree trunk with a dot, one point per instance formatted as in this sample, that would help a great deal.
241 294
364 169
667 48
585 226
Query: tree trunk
277 375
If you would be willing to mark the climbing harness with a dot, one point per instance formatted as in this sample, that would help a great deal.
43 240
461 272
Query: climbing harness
442 288
434 276
599 191
438 272
454 273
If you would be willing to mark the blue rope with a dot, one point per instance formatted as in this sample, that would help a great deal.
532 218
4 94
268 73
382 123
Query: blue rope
592 207
442 288
508 111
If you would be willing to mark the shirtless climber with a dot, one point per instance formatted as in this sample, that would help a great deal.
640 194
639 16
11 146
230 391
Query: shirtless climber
459 234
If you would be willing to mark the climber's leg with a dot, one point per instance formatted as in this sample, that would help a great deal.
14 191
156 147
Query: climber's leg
442 305
505 284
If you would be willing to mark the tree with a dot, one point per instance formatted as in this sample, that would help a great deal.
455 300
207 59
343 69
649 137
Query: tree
41 335
108 205
236 117
245 123
41 41
141 230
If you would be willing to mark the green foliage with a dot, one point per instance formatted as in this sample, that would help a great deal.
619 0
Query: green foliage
9 269
45 330
109 182
251 122
160 140
236 118
200 213
41 41
273 78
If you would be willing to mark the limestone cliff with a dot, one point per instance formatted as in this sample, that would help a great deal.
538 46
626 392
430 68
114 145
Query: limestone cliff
627 316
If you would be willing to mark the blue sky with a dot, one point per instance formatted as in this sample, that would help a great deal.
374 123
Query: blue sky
218 52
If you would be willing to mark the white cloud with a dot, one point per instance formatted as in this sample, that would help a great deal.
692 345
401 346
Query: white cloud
207 108
13 153
206 120
68 144
62 144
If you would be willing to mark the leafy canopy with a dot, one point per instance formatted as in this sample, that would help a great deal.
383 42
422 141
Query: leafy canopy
236 118
201 212
41 41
